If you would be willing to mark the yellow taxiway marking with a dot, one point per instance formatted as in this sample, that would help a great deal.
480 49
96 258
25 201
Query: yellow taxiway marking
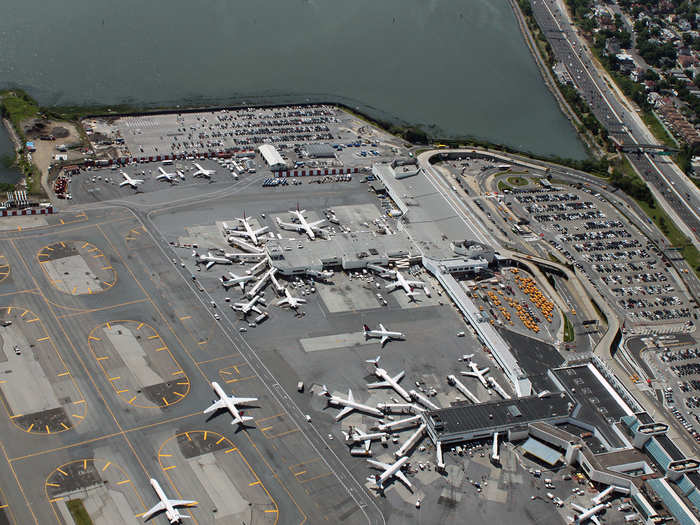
75 288
188 437
47 429
64 374
53 485
16 415
84 245
266 428
165 455
177 373
254 483
202 343
220 440
93 338
56 499
43 339
85 464
79 401
24 313
33 320
178 394
170 467
139 326
78 416
185 383
102 358
132 399
184 317
271 510
122 391
30 427
300 473
62 471
161 348
236 380
153 336
114 378
123 482
165 401
230 450
65 427
106 465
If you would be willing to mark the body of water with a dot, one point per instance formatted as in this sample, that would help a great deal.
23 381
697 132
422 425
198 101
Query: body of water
456 67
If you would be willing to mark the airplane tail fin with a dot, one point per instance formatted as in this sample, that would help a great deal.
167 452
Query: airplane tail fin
374 361
365 329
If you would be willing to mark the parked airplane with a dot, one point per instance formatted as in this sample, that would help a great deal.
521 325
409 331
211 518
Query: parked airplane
355 435
381 333
201 172
290 300
389 471
406 284
248 231
164 175
301 225
167 505
480 374
134 183
240 280
389 381
587 514
349 404
246 308
209 259
180 174
229 403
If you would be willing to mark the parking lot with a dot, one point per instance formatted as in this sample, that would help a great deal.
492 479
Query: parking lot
584 228
305 136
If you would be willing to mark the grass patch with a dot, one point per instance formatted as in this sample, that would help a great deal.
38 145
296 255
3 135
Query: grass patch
518 181
503 186
77 510
569 334
17 107
657 129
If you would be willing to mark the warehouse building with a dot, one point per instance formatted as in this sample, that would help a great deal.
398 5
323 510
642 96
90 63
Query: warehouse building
272 157
320 151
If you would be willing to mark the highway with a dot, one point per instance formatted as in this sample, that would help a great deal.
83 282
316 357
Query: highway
675 192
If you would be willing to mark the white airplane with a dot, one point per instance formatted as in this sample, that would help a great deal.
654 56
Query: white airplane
290 300
406 284
134 183
229 403
248 231
164 175
167 505
480 374
389 382
389 471
587 514
240 280
209 259
201 172
180 174
355 435
381 333
246 308
349 404
302 225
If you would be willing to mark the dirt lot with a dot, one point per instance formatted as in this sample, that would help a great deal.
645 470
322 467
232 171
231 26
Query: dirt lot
65 133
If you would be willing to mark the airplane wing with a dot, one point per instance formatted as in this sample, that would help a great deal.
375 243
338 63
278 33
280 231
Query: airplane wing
368 444
159 507
403 478
379 464
283 301
398 377
256 309
288 225
385 338
315 224
123 183
241 419
244 400
578 507
381 328
216 405
594 519
343 413
260 230
378 384
415 283
210 264
182 502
